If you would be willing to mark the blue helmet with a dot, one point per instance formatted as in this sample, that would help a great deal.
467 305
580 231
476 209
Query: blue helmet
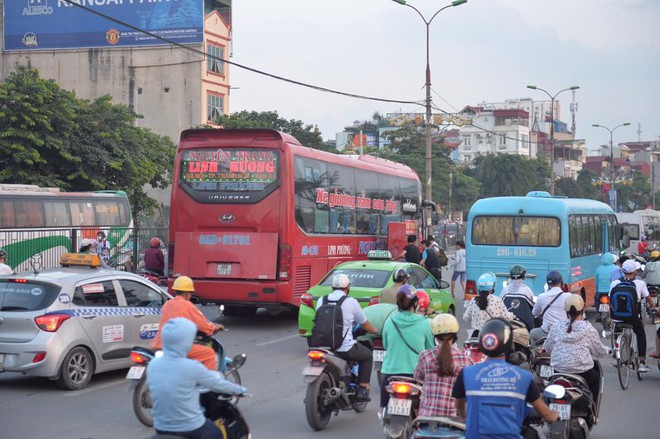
486 282
554 278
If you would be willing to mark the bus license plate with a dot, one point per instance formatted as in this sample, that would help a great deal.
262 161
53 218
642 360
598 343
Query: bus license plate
604 307
400 407
546 371
379 355
135 372
224 269
563 410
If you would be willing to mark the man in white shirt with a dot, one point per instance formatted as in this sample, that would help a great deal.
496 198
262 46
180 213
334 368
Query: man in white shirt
550 304
350 349
5 270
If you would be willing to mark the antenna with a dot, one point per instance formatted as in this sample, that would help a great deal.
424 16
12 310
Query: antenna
639 132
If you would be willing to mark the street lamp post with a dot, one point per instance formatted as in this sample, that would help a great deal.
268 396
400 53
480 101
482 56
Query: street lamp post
428 135
552 129
612 198
654 150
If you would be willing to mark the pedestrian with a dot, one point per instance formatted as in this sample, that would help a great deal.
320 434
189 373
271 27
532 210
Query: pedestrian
101 242
430 260
5 270
411 252
458 265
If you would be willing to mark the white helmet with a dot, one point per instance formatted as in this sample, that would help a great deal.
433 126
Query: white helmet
86 242
340 281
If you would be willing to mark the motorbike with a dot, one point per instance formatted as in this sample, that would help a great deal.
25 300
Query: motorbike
438 427
378 355
137 375
539 364
520 343
471 346
578 409
402 408
332 386
154 277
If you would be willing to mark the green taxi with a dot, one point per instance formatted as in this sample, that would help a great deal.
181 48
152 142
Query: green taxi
368 279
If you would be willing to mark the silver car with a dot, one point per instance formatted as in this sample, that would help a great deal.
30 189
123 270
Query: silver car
69 323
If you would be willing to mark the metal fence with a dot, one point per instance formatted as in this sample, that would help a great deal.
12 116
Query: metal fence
30 249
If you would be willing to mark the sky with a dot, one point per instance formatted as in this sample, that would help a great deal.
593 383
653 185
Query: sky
481 51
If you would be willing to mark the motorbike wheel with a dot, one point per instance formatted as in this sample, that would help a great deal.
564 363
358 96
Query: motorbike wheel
558 430
142 404
317 414
575 431
406 432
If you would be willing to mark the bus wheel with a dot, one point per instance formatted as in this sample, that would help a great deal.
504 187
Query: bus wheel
239 311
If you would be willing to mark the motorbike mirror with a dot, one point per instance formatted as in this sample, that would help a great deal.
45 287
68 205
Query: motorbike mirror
554 391
515 304
238 360
194 299
606 333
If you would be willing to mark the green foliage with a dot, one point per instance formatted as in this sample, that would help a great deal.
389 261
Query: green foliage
51 138
634 195
582 187
509 174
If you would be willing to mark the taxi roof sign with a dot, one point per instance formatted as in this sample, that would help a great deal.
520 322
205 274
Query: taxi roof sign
80 260
379 254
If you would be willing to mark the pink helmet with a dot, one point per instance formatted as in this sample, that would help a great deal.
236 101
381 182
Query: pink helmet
154 242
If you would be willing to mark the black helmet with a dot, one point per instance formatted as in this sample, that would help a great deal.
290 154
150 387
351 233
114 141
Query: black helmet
517 272
496 338
400 275
3 253
554 278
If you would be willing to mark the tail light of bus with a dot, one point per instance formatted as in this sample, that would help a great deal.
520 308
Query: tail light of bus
307 299
170 259
285 262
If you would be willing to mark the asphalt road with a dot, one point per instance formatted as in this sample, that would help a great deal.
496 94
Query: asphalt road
35 408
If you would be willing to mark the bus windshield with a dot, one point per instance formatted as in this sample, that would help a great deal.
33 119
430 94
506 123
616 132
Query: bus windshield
516 230
235 175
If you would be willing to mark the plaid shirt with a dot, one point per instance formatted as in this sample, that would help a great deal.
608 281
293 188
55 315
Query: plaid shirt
436 395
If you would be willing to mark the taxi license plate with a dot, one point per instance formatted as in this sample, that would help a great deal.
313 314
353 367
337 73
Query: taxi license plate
546 371
400 407
604 307
564 410
224 269
135 372
379 355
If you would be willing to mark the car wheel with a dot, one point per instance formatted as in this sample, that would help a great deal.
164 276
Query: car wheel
76 370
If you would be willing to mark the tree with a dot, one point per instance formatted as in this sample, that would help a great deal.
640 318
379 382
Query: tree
635 193
509 174
582 187
308 135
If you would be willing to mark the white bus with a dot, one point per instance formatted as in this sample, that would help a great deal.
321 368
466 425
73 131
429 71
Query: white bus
635 224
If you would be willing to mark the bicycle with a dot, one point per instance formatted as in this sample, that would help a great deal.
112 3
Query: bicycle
624 349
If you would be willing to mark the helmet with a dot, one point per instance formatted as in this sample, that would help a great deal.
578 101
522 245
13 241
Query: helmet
444 324
400 275
486 282
424 300
154 242
3 253
496 338
655 254
406 297
517 272
340 281
86 242
554 278
183 283
574 301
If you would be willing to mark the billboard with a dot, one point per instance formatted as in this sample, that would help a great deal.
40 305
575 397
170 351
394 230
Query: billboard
57 24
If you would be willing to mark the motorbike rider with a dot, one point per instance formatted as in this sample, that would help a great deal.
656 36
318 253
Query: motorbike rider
518 290
5 270
495 391
651 273
350 349
438 368
90 246
572 343
405 335
603 275
485 305
629 269
400 278
176 402
617 273
154 259
181 306
549 306
642 246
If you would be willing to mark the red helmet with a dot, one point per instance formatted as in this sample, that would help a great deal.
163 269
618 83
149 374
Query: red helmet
424 300
154 242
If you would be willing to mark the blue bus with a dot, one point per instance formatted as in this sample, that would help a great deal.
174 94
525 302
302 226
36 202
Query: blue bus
543 233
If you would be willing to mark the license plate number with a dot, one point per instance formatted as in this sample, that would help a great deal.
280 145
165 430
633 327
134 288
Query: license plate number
604 307
379 355
135 372
224 269
312 370
564 410
546 371
400 407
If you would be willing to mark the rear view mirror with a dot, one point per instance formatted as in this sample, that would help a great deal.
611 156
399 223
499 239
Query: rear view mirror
554 391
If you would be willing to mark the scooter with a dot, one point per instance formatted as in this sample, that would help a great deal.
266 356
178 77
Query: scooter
332 385
569 396
402 408
154 277
438 427
539 364
137 376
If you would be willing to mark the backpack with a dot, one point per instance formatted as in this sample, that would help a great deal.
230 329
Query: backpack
328 329
442 257
624 303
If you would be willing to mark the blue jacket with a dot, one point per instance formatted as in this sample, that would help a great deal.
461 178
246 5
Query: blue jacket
603 273
495 393
174 381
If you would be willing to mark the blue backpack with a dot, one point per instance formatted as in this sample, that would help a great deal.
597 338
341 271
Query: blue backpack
624 303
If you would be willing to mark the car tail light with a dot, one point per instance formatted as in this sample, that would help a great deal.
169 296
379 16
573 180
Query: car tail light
316 355
139 358
285 262
19 281
471 288
170 259
375 300
307 299
39 356
51 322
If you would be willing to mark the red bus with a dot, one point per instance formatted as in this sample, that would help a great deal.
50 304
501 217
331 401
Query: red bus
256 218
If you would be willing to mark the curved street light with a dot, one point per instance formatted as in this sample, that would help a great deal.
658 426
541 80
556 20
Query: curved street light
428 136
552 129
612 197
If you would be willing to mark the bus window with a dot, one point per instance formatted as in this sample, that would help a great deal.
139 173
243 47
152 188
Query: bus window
612 229
7 218
391 195
366 184
310 177
107 213
56 214
29 213
410 190
342 199
82 214
516 230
